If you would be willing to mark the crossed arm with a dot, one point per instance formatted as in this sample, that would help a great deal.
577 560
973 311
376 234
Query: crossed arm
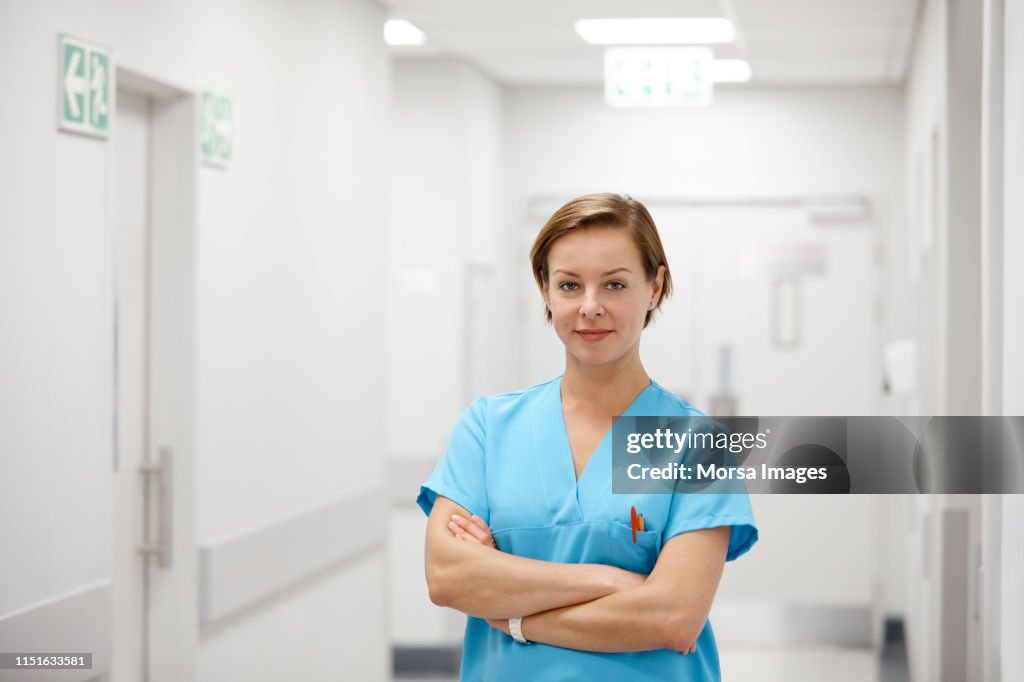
591 607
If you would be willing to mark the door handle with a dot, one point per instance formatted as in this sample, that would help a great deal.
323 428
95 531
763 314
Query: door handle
160 474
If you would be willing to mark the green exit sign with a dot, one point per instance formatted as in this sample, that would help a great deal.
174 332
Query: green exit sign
658 76
85 85
216 129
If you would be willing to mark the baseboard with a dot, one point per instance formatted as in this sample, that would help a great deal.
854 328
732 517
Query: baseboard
787 623
77 622
426 661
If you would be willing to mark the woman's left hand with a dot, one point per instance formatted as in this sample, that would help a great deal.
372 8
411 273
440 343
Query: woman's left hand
472 530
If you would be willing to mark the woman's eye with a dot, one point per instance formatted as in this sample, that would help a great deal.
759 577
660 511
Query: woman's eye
616 285
568 286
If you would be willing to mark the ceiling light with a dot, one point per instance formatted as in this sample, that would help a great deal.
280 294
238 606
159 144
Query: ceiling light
401 32
730 71
706 31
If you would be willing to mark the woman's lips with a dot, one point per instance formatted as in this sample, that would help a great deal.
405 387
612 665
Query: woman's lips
593 335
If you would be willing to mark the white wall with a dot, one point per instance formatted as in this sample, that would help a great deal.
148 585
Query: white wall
914 282
1012 593
963 207
338 614
752 142
290 330
945 151
915 270
291 295
291 366
942 266
55 344
443 217
446 300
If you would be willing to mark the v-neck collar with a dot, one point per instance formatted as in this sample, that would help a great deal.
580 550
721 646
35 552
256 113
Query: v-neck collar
554 455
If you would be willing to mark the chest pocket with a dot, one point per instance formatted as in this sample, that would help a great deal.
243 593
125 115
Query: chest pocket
591 542
639 557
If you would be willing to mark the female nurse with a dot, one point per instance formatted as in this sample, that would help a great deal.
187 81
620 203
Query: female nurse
524 535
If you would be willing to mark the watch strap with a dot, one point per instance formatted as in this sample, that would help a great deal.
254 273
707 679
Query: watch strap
515 628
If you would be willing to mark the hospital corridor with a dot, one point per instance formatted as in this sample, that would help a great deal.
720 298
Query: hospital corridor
286 286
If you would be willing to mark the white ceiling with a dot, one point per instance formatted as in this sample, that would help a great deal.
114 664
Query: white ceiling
786 42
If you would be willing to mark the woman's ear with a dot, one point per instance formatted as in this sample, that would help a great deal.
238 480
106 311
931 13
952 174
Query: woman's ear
658 284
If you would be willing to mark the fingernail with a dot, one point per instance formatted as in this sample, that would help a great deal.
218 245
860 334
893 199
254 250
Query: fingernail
456 517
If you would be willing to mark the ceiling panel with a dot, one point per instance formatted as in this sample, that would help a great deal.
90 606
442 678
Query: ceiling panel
792 42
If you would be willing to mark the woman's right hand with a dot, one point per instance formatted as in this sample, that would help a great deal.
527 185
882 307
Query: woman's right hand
472 530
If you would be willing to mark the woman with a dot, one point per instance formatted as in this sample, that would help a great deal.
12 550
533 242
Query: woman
524 534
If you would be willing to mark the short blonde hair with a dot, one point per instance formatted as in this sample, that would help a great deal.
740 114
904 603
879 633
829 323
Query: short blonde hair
605 210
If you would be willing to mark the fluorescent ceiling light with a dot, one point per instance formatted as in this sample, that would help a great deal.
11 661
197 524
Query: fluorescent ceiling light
401 32
656 31
730 71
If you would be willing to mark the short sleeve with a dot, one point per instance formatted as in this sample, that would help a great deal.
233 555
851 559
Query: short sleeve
459 475
693 511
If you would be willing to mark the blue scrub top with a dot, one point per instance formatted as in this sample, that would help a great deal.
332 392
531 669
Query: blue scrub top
509 461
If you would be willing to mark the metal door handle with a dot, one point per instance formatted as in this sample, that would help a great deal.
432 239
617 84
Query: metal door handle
163 472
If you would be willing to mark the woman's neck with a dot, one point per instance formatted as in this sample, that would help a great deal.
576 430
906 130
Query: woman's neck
610 387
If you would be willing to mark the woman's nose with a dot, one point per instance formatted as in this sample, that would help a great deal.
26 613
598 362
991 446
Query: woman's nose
591 306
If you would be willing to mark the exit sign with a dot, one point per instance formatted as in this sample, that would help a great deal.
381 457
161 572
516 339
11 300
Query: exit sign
216 129
85 86
658 76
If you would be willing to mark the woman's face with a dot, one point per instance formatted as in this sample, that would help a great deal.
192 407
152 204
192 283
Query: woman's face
598 293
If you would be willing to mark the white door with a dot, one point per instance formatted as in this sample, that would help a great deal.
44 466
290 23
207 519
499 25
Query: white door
794 302
155 589
815 354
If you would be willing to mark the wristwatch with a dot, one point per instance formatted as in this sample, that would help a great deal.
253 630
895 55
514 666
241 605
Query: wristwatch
515 628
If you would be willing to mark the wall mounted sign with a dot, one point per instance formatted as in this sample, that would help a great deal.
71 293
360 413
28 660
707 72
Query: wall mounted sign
86 87
216 130
759 260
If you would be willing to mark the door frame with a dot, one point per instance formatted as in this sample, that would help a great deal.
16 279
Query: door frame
172 591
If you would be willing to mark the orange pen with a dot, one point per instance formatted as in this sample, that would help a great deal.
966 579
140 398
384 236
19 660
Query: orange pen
636 522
